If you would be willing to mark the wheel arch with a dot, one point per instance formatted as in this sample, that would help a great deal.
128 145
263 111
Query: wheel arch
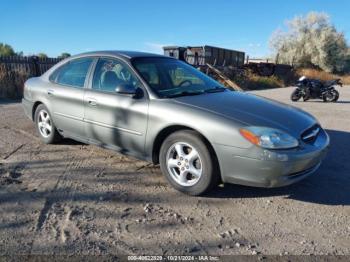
35 106
165 132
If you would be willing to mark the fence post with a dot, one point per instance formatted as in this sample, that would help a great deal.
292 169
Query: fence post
35 61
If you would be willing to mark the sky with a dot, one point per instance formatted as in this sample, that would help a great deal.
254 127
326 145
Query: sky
77 26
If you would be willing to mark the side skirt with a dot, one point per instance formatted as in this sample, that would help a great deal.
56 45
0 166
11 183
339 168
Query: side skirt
122 151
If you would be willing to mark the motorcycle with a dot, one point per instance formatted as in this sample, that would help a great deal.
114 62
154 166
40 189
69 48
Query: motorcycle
315 89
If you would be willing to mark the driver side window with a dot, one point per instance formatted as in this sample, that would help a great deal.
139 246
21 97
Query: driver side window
109 73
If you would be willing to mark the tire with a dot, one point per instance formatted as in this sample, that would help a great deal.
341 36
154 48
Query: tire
306 95
336 95
329 96
295 96
45 126
188 172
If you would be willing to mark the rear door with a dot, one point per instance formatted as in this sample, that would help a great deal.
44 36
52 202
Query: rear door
67 95
115 120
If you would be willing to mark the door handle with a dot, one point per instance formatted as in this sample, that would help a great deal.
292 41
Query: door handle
50 92
92 101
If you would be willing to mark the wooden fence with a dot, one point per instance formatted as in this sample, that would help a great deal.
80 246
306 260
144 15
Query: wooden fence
34 65
15 70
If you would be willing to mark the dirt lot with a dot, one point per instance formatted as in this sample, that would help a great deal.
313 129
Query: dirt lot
73 198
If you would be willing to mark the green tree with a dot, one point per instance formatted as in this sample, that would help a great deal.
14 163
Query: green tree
6 50
64 55
42 55
311 40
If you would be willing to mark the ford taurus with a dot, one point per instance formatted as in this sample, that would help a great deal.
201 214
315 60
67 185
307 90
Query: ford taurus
162 110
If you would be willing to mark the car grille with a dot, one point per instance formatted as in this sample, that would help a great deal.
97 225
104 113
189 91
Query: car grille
309 135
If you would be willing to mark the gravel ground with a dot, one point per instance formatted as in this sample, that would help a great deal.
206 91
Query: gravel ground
73 198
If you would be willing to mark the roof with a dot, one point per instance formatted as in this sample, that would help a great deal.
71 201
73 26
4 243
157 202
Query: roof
173 47
201 46
125 54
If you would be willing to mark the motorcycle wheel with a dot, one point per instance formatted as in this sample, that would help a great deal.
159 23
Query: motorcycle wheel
306 97
336 96
295 96
328 97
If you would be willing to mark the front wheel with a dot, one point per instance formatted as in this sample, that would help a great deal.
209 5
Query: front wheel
336 95
188 164
295 96
330 96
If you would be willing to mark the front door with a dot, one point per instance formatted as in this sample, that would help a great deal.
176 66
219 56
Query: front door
115 120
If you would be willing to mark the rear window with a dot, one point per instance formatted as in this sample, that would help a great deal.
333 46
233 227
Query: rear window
72 73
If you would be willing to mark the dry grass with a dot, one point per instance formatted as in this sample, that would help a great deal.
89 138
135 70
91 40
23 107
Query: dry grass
345 79
12 81
322 75
251 81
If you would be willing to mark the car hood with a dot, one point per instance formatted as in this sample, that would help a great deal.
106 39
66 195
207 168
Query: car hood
249 109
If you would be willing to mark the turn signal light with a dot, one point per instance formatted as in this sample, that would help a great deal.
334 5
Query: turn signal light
250 136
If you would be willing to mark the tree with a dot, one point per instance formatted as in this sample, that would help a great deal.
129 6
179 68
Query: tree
42 55
64 55
311 40
6 50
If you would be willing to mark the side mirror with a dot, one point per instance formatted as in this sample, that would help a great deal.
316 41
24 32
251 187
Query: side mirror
127 89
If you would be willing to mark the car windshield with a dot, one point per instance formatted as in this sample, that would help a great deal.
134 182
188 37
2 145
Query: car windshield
172 78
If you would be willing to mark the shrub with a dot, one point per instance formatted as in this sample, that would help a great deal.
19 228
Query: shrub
250 81
12 81
6 50
322 75
64 55
42 55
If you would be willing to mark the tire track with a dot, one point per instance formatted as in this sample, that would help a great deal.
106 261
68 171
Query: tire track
52 197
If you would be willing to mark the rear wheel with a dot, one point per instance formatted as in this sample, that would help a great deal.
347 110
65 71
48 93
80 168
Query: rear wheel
187 163
45 126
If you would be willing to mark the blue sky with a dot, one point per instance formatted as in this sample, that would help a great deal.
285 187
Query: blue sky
77 26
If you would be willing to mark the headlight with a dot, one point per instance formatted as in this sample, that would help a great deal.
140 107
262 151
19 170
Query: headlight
269 138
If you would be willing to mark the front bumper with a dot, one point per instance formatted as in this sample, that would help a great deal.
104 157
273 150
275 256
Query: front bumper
271 168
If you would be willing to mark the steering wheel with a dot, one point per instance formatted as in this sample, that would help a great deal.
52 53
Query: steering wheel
184 82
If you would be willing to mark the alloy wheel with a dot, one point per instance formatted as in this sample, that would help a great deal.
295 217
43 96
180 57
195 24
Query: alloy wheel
44 123
184 164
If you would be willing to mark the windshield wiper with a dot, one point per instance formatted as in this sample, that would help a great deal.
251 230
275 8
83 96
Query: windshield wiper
186 93
216 89
194 93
